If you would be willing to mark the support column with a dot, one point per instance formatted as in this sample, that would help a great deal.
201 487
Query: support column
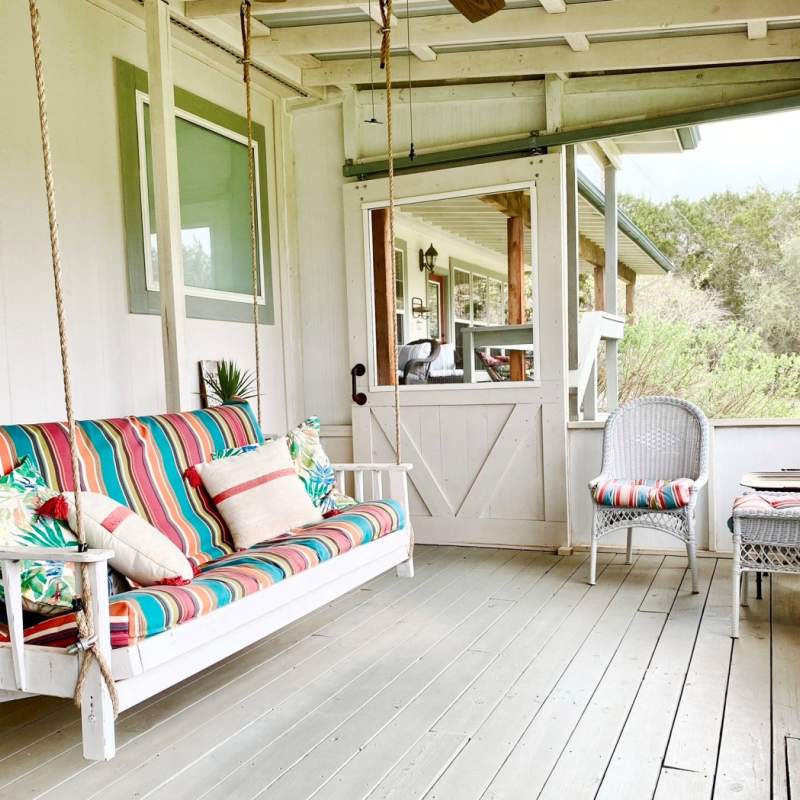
516 290
385 322
573 256
166 194
610 288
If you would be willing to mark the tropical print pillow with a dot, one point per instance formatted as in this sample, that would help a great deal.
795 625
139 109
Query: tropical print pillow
47 586
310 460
234 451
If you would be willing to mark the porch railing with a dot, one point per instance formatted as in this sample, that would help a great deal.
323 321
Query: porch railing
594 327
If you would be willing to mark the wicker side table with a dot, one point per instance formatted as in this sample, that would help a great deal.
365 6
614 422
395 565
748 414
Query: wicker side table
765 539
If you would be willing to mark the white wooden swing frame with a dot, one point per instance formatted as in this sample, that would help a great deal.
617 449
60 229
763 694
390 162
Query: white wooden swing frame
151 665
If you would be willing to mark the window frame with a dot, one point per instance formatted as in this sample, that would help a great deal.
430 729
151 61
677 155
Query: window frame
143 293
401 248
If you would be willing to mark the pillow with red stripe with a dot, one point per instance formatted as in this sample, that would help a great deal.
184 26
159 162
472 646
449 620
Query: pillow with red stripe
258 494
141 552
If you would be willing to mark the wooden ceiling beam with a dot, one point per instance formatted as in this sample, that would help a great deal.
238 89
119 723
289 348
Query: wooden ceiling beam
643 54
512 24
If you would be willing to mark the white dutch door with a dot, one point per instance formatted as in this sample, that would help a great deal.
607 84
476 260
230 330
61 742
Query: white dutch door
479 320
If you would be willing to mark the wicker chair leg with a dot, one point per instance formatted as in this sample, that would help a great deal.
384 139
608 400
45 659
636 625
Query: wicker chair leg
745 601
735 575
629 547
692 555
593 562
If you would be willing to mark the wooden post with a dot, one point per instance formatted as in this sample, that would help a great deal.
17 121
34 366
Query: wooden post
610 288
599 289
630 292
97 712
385 320
167 201
516 290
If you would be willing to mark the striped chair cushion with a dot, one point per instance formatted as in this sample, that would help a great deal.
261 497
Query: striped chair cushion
139 462
148 611
655 494
767 503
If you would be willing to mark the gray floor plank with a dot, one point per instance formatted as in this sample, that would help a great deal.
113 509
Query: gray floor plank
785 678
743 769
636 764
476 765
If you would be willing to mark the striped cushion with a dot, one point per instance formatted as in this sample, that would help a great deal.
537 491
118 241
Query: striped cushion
146 612
139 462
753 502
654 494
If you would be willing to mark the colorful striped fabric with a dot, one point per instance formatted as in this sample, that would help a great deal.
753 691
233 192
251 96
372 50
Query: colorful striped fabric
148 611
139 462
655 494
760 503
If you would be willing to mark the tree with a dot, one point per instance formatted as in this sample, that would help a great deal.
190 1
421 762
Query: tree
719 242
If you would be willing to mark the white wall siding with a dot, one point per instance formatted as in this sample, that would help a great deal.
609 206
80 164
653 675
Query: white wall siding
319 146
117 362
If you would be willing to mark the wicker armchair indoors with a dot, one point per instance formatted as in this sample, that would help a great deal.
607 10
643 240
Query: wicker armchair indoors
655 462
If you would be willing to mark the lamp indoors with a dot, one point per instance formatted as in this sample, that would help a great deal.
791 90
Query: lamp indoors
427 259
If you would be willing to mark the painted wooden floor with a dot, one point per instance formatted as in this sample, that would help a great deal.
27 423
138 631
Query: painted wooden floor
493 674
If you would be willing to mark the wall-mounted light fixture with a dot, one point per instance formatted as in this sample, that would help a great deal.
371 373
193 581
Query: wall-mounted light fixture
427 259
418 307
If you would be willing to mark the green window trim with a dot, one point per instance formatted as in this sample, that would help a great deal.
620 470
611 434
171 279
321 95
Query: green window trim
130 81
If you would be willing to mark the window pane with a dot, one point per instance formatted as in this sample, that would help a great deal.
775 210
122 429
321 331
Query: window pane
495 300
480 296
399 278
434 324
462 295
215 208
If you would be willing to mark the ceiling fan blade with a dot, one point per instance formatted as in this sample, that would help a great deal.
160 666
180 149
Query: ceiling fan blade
476 10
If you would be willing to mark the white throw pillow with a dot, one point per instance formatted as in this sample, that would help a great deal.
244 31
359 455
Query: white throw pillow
141 552
258 494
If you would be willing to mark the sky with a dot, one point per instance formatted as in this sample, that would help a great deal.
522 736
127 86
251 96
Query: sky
738 155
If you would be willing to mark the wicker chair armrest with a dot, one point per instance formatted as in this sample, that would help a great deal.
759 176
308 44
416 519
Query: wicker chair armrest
598 480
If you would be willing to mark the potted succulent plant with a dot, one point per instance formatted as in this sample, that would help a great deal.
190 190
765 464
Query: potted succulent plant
225 382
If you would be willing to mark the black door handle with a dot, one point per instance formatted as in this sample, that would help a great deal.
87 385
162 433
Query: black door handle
359 398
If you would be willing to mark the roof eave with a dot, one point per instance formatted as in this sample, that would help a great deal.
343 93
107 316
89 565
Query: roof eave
626 225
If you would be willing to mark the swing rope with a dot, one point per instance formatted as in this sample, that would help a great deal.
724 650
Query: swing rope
246 22
87 643
386 63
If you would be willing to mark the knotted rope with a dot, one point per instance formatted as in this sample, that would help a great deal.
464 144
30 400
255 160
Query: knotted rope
386 63
246 22
87 643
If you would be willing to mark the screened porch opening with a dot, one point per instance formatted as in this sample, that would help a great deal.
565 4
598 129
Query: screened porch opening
464 290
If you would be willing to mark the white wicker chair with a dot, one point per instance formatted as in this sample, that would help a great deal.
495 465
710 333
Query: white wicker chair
652 438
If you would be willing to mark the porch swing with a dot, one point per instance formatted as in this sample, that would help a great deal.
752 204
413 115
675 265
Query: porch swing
111 656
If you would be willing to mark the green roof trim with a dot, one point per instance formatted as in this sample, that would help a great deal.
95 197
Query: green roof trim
514 148
594 195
